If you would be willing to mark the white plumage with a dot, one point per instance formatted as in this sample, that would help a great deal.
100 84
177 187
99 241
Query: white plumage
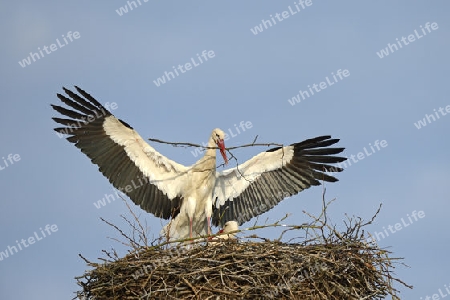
228 232
192 196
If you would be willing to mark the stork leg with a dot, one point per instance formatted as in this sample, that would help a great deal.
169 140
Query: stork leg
190 227
208 219
208 213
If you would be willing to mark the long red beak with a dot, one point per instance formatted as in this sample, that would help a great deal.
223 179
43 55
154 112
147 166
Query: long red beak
210 237
221 145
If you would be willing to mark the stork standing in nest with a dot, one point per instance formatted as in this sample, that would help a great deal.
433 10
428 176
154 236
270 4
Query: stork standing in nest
191 195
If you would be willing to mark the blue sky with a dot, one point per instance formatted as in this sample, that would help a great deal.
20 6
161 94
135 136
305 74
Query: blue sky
250 78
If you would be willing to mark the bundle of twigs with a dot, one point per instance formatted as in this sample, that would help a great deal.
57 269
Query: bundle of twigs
327 264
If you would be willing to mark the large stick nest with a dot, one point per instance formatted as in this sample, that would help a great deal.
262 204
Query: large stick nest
326 264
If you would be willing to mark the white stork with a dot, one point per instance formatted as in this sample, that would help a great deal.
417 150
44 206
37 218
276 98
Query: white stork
189 194
230 226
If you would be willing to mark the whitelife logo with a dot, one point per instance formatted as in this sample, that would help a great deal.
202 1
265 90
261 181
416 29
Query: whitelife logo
187 66
391 48
266 24
130 4
11 158
128 189
379 145
243 125
430 118
436 296
416 215
49 229
53 47
90 118
319 87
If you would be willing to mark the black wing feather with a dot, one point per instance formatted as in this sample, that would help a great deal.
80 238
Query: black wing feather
112 159
311 160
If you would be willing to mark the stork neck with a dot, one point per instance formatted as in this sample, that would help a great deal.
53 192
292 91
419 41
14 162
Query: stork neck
211 152
208 161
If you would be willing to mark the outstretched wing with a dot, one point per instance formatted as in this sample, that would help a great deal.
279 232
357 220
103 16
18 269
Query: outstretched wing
151 180
259 184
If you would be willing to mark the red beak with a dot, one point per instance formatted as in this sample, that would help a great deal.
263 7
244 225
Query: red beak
210 237
221 145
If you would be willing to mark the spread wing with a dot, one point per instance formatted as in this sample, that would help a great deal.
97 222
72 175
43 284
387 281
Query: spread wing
132 166
259 184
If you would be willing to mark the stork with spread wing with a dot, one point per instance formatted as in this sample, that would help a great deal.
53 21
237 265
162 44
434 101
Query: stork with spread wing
193 196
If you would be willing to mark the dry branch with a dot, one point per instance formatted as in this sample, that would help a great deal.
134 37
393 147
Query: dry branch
183 144
326 264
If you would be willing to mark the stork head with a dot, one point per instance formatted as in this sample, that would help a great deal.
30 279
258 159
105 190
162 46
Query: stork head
225 234
229 227
219 136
